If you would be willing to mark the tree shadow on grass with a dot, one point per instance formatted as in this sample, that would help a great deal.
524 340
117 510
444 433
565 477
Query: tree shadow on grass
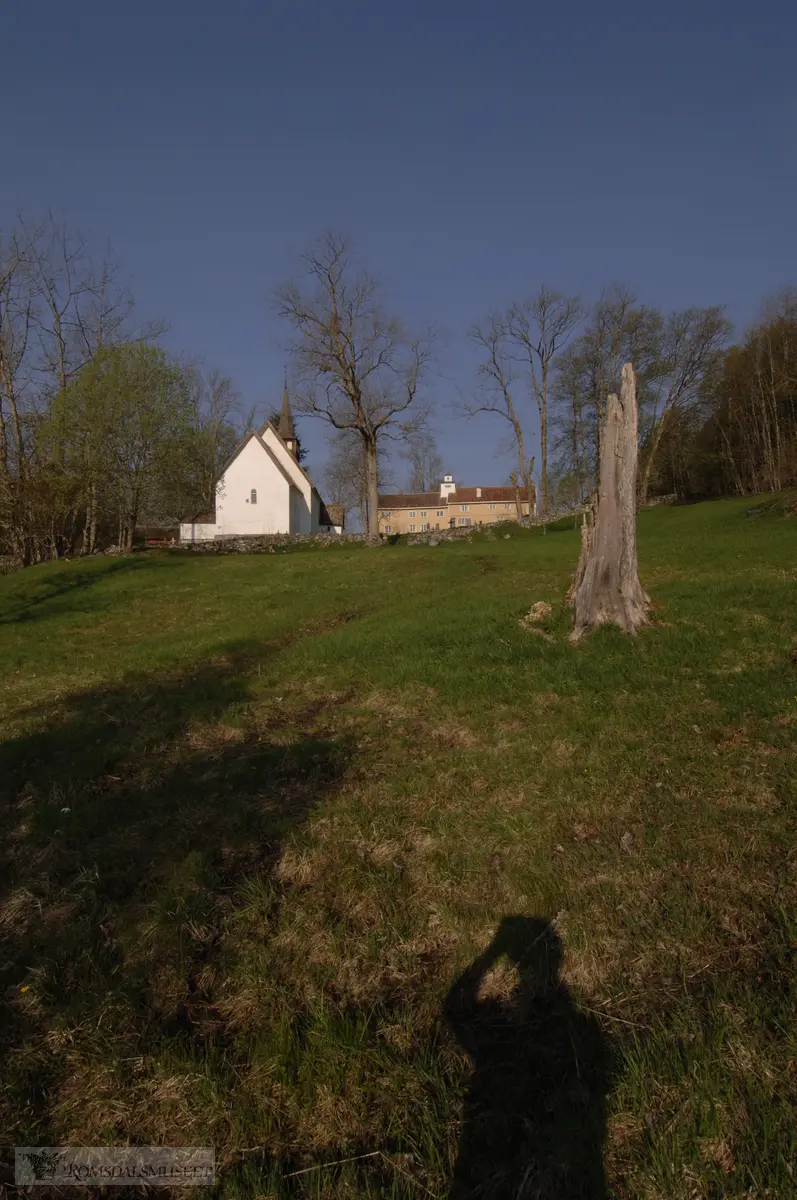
534 1118
129 824
54 593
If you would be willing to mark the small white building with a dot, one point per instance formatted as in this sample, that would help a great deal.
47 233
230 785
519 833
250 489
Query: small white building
263 489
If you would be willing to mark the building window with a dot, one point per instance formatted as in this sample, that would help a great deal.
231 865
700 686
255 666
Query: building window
387 513
463 507
426 525
388 529
412 529
492 507
253 496
440 513
506 506
412 513
423 514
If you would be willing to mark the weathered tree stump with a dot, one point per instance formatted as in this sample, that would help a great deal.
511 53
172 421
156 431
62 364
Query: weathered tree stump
587 523
606 588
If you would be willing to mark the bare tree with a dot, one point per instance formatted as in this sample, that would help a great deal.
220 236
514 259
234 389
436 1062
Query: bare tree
357 367
538 329
346 478
497 373
343 474
606 589
16 313
618 330
82 304
426 465
690 348
571 423
215 404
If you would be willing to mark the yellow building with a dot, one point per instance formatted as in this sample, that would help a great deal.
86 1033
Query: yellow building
451 508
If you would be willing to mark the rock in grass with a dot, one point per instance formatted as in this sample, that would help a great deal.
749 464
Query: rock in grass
537 612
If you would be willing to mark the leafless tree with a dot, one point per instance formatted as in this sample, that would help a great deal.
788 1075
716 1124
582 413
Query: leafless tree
215 408
690 348
357 368
518 348
498 379
619 329
346 478
426 465
537 330
16 312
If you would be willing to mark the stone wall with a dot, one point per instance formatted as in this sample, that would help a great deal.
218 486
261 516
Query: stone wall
268 543
653 500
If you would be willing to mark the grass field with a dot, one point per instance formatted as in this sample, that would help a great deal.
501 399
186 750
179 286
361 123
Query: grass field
321 855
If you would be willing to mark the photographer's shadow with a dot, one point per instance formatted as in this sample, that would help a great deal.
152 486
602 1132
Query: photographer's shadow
534 1119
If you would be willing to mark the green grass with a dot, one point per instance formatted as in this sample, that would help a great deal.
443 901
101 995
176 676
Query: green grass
321 855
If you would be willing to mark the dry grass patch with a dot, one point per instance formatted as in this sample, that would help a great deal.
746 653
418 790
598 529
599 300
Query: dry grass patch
455 733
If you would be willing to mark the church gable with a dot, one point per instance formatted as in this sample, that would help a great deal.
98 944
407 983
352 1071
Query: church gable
253 495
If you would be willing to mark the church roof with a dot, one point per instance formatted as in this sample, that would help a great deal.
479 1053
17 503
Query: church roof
286 428
332 514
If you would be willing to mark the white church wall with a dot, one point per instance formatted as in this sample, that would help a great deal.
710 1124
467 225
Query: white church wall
235 512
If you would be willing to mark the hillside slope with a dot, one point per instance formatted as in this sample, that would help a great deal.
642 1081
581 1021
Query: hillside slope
261 814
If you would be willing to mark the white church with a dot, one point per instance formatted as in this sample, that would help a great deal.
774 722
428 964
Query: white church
263 489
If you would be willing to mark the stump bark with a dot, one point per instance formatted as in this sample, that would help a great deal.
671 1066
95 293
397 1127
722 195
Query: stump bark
608 591
587 523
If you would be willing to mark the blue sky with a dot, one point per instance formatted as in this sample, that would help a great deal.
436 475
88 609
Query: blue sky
472 151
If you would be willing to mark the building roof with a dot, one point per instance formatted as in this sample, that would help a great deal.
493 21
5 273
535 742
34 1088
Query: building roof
294 461
487 493
286 428
460 496
331 514
413 500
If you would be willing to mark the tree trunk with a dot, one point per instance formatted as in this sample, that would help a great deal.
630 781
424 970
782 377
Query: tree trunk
544 456
90 537
518 501
372 484
610 591
587 524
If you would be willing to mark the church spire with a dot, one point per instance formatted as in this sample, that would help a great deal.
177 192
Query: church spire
286 428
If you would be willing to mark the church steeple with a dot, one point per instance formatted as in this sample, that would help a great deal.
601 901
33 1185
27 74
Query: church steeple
286 428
